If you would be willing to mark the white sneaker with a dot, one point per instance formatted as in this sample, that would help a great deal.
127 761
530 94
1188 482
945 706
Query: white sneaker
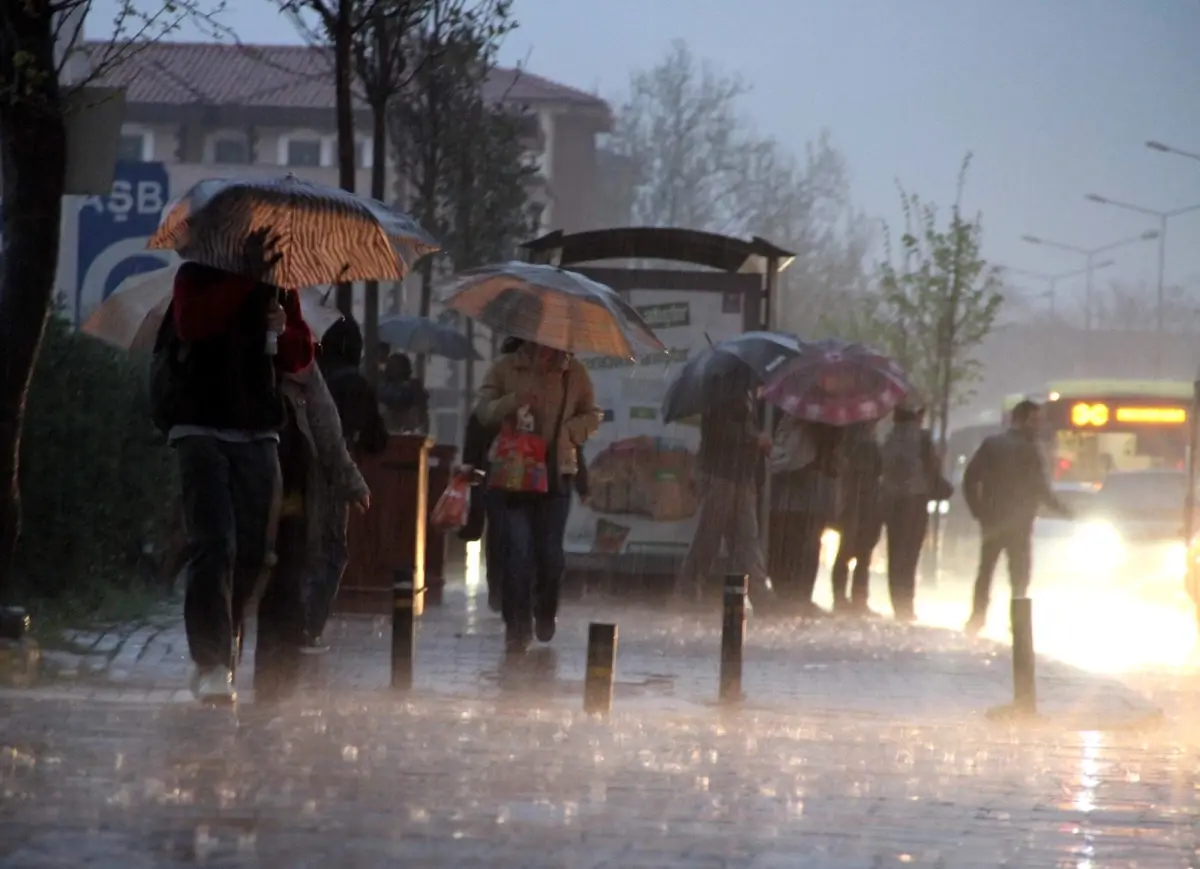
214 686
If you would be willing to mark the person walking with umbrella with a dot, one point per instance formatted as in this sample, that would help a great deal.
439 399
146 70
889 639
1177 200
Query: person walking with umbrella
830 385
553 392
224 343
233 329
732 448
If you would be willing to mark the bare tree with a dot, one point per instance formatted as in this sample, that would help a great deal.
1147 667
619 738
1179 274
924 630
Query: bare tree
384 62
338 22
33 165
427 124
681 135
683 154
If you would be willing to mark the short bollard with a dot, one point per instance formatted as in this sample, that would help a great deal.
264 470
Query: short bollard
1023 661
403 635
601 669
733 635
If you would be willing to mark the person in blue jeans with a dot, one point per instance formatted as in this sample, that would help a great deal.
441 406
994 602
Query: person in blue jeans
553 391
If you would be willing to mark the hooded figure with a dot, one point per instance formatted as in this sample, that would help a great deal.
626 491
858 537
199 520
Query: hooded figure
405 399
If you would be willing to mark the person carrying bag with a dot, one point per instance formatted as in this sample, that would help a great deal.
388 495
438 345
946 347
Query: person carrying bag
543 404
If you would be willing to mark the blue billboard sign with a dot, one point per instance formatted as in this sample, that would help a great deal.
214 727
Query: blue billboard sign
114 229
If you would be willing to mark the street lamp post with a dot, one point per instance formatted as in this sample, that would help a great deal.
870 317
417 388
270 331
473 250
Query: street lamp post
1052 281
1168 149
1163 218
1089 255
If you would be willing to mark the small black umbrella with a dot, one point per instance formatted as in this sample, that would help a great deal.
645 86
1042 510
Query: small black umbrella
422 336
755 353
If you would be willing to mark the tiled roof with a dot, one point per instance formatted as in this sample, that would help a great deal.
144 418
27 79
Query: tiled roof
284 76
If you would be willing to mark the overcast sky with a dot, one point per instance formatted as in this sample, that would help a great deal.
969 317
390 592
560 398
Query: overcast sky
1055 98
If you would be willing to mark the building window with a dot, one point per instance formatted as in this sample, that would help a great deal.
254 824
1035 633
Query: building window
231 150
303 152
363 152
132 147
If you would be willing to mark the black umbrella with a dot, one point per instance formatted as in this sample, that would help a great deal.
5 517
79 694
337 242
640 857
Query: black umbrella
753 354
422 336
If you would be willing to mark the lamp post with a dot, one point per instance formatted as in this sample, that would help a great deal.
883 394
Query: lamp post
1163 218
1089 255
1052 280
1168 149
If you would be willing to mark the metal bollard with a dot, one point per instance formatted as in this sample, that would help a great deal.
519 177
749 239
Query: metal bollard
601 669
733 635
1023 661
403 635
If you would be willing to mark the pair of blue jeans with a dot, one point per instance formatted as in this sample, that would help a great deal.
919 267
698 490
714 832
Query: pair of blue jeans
534 561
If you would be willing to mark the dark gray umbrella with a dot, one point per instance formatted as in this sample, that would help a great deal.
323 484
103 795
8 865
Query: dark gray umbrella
751 355
422 336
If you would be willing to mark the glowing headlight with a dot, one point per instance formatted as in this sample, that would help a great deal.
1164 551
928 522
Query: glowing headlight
1098 546
942 507
1175 562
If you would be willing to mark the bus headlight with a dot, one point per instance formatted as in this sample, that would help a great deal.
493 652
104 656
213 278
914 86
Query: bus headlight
1098 547
1175 562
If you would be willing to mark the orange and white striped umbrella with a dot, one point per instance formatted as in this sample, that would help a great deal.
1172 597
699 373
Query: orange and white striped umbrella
130 317
552 307
322 235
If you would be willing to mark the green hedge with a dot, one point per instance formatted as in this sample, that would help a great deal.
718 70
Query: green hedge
97 480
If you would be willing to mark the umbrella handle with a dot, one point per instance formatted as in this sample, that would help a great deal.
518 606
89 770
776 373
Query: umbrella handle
272 345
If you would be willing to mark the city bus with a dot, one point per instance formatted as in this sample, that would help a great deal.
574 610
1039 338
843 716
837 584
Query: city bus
1095 427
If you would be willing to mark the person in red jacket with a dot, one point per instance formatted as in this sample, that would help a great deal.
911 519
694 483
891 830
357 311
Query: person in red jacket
219 356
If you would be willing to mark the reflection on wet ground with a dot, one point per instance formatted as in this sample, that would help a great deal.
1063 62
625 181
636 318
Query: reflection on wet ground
861 744
358 780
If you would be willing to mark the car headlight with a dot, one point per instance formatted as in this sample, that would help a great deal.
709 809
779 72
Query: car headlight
1098 546
940 507
1176 560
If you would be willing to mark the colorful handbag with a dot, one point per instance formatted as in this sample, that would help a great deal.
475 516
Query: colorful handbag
518 457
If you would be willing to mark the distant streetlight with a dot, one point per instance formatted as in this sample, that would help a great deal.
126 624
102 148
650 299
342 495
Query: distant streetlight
1089 255
1163 218
1167 149
1052 280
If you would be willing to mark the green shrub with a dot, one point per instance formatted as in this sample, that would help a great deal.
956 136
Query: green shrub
97 480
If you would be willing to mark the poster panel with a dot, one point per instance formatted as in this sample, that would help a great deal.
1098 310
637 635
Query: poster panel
644 495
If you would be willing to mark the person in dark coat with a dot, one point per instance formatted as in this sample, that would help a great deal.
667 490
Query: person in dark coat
1004 485
804 502
363 430
404 398
858 522
215 393
732 446
910 469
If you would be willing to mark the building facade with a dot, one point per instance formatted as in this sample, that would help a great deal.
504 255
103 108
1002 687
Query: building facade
206 109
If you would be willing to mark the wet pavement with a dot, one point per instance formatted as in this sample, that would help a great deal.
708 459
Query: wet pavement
860 744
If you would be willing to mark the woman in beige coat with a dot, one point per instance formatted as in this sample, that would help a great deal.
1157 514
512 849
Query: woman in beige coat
553 392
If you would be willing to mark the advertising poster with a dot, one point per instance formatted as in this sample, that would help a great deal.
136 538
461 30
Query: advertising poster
642 475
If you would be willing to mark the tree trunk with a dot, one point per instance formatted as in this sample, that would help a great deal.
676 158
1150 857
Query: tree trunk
33 160
378 191
343 68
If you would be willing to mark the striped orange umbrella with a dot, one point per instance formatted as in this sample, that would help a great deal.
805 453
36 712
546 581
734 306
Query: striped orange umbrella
322 235
552 307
